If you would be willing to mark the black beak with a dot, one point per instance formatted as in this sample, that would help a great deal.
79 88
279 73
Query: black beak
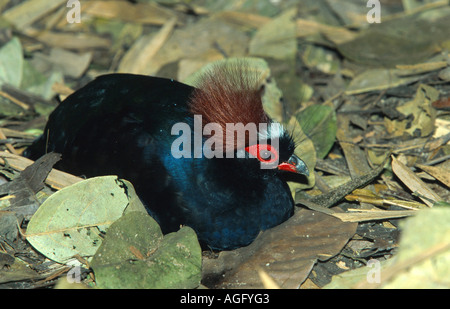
295 165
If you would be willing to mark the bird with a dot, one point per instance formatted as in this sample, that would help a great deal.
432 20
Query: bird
227 186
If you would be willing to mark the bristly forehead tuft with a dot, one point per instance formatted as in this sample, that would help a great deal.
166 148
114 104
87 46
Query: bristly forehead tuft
229 93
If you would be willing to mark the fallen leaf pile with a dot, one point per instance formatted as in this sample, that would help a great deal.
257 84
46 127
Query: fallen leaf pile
367 103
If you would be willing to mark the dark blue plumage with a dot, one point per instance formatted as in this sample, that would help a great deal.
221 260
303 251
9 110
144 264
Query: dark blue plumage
120 124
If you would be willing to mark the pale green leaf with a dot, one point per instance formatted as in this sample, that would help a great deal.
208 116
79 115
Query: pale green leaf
11 62
277 38
72 220
320 125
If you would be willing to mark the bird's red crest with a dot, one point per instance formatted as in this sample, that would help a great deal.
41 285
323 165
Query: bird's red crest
229 94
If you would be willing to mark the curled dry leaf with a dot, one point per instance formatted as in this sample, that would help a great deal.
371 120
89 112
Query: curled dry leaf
440 173
414 183
286 252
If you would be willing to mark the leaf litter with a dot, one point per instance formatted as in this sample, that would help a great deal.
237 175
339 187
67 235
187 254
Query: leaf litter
378 141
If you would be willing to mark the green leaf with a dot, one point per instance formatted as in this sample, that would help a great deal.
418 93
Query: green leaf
386 44
379 79
306 151
320 125
259 7
134 254
11 62
422 260
40 84
277 38
72 220
317 57
423 234
46 91
314 130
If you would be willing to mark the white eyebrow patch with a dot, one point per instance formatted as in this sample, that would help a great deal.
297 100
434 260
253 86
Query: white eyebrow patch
274 130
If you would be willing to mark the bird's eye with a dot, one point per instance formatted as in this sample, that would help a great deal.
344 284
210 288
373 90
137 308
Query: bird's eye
263 152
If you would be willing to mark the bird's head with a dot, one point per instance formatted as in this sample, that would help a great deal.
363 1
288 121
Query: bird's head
229 96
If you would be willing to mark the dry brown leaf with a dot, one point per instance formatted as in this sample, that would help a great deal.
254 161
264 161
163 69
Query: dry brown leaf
276 39
441 174
355 157
57 179
371 215
421 67
27 12
244 19
286 252
209 34
367 196
414 183
149 13
442 129
188 66
74 41
338 35
14 100
62 89
136 60
8 145
69 63
267 281
305 27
